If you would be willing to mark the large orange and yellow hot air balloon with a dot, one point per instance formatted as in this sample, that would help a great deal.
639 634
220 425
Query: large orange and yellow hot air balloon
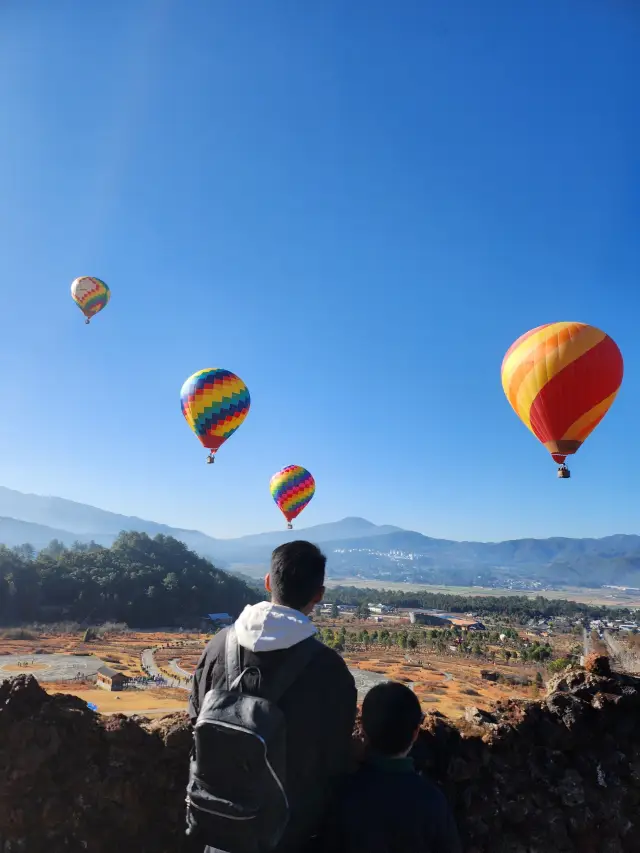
561 380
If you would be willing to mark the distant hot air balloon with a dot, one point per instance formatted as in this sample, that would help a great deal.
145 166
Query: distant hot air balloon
90 295
561 380
292 489
214 402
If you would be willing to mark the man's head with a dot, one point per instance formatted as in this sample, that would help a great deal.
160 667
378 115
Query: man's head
296 576
391 718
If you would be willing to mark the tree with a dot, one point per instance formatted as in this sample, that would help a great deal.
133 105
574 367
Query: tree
54 549
26 552
559 664
335 613
363 611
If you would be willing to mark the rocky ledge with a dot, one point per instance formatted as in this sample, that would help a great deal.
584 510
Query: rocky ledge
558 775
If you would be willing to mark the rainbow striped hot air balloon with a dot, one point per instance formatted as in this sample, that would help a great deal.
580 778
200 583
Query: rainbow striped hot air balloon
561 380
292 489
90 295
214 402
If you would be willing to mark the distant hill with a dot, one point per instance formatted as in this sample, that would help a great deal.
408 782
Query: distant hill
84 522
15 532
354 547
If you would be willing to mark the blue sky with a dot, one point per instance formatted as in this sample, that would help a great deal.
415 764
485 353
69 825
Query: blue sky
357 207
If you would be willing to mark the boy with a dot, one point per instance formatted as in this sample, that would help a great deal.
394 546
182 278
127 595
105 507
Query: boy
386 807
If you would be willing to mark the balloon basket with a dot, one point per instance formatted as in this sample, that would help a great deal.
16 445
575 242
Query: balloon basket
87 321
564 473
210 459
289 526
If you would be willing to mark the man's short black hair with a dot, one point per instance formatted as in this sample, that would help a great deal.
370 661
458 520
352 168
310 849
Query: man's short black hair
297 573
391 713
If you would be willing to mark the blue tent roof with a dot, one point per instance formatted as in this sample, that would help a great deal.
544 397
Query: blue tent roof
215 617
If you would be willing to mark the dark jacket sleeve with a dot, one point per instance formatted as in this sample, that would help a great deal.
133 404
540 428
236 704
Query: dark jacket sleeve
441 826
330 730
338 732
208 671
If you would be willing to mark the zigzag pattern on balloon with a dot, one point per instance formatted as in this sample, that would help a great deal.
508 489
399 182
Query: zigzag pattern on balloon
292 489
90 294
561 379
214 403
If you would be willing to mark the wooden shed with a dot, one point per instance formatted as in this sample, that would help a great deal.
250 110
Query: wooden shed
109 679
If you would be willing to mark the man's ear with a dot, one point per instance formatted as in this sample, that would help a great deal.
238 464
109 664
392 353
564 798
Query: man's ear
267 582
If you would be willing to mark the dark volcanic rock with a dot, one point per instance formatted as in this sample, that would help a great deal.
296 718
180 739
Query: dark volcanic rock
547 777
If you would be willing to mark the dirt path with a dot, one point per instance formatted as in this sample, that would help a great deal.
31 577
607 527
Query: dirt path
623 658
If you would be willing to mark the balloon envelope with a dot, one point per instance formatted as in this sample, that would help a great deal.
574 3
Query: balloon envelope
292 489
561 379
214 402
90 295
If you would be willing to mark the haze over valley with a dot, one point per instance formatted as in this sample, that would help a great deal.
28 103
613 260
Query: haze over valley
354 546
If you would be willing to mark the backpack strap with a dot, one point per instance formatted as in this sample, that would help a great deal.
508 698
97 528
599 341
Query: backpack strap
232 662
283 678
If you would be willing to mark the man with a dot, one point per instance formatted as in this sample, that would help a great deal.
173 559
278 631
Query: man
319 707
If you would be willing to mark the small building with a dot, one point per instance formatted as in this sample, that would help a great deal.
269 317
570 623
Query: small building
109 679
217 620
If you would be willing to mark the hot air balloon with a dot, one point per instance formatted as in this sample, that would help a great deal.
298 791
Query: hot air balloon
214 402
292 489
90 295
561 379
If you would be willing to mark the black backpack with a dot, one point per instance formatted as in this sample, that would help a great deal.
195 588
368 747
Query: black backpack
236 796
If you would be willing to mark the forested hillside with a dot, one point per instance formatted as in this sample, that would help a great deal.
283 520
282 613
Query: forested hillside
139 580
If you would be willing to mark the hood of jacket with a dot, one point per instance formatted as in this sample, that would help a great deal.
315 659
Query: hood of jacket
266 627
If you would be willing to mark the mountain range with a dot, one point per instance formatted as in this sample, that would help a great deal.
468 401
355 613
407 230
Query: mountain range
354 546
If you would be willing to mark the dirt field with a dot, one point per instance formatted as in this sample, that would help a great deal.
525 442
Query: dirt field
606 597
444 683
150 703
62 656
27 666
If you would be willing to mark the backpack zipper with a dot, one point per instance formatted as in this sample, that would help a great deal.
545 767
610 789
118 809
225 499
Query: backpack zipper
190 802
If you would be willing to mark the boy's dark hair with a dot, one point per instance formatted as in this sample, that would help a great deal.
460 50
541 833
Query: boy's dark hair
391 713
297 573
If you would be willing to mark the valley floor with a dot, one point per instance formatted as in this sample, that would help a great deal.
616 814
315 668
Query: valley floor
606 597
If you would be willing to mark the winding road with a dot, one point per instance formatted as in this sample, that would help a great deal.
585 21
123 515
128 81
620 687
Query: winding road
149 662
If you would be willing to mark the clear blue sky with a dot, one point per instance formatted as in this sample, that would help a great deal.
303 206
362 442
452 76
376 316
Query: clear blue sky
357 207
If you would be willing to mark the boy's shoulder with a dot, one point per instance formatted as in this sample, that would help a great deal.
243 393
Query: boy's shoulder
408 785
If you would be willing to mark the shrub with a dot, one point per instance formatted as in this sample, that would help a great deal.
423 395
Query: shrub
18 634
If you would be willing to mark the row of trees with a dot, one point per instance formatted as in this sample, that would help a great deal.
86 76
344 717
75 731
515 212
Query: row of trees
517 608
143 581
488 645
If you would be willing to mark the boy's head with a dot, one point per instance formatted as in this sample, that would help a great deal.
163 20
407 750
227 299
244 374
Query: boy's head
296 576
391 718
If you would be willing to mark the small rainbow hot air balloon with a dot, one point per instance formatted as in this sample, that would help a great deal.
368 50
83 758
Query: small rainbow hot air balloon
90 295
292 489
214 402
561 380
